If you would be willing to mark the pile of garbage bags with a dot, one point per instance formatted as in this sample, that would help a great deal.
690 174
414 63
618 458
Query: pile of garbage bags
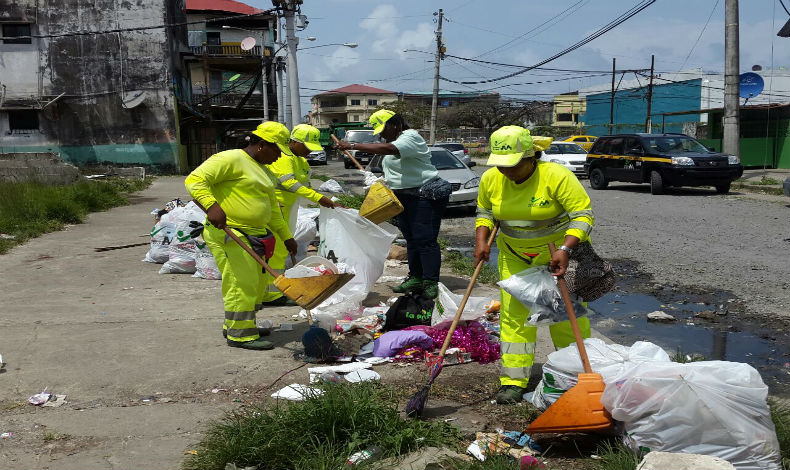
716 408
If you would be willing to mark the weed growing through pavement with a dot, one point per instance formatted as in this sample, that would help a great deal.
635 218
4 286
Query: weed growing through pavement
320 177
680 357
465 266
492 462
617 456
780 415
54 436
767 180
28 210
320 432
443 243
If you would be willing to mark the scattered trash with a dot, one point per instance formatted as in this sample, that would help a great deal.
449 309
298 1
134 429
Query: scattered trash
233 466
6 236
388 344
6 435
384 279
371 453
364 375
217 390
2 364
190 452
658 315
331 186
297 392
513 443
447 304
39 398
316 372
330 377
285 327
55 401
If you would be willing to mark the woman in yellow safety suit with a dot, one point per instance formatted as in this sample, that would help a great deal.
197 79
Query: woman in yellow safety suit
293 181
535 203
237 191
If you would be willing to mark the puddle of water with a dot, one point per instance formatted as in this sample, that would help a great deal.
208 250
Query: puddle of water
689 334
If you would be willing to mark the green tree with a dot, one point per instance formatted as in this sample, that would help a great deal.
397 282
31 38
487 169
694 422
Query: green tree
490 115
417 115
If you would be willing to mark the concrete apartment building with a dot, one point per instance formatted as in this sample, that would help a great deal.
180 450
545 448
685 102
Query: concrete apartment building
352 103
569 110
76 89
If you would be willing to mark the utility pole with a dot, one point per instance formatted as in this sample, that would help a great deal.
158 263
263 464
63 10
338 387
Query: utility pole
649 118
292 69
611 99
439 56
280 90
732 123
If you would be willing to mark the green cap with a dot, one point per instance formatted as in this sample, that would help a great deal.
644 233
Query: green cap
307 135
509 145
379 119
274 132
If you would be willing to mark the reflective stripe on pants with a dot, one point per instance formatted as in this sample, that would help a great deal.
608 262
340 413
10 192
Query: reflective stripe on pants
242 284
518 339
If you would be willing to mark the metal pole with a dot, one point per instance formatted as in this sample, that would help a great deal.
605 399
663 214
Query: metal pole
730 143
649 119
292 70
611 99
435 102
265 80
280 91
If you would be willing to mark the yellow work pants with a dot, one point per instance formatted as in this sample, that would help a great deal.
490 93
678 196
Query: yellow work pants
277 261
518 339
242 284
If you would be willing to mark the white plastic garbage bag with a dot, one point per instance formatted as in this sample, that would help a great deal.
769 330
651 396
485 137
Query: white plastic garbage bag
183 250
205 264
447 304
161 235
537 290
370 179
330 186
713 408
358 243
563 366
305 232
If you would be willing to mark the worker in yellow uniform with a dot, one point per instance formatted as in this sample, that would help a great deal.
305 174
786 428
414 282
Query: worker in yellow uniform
293 181
237 190
535 203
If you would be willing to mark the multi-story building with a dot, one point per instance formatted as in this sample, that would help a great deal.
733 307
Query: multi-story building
569 109
94 82
230 66
352 103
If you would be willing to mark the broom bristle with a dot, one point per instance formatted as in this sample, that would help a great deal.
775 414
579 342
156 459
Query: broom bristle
415 406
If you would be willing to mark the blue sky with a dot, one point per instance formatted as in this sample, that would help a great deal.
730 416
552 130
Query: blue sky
668 28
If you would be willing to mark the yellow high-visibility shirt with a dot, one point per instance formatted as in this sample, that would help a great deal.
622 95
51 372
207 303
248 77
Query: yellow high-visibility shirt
243 188
552 202
293 177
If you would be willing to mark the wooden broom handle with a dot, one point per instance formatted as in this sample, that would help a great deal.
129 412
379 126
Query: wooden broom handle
566 296
468 292
348 154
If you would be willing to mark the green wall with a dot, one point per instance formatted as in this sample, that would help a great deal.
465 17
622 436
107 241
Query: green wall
759 151
163 155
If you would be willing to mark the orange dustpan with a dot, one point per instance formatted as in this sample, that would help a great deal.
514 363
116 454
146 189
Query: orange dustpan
579 409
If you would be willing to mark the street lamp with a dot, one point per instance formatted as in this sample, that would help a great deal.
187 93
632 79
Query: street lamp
351 45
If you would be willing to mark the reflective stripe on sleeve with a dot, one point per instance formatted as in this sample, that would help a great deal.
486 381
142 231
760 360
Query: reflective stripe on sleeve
583 226
285 178
483 213
584 213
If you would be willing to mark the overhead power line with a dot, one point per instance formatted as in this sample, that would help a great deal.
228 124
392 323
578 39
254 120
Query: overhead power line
713 10
610 26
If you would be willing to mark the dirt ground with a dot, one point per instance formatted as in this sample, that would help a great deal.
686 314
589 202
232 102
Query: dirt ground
142 361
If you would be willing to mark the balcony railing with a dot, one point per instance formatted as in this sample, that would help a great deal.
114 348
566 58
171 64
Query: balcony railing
227 99
222 50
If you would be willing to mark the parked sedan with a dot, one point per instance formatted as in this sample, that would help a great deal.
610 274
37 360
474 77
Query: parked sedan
457 149
465 182
316 158
568 154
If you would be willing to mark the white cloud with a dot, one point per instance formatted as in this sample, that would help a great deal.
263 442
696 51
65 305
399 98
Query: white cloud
420 38
341 59
382 29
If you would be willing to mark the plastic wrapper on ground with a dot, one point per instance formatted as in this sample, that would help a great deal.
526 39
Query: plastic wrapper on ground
447 304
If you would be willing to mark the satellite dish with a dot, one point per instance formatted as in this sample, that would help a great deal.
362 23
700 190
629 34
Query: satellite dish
247 43
756 68
751 85
234 78
134 98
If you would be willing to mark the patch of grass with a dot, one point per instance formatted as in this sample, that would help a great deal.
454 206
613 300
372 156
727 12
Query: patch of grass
683 358
443 243
54 436
767 180
780 415
28 210
317 176
352 201
617 456
318 433
757 188
465 266
492 462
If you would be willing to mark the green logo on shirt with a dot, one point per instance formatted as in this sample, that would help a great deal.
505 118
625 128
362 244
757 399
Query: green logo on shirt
538 202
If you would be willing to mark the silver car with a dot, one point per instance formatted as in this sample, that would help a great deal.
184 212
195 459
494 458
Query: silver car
465 182
457 149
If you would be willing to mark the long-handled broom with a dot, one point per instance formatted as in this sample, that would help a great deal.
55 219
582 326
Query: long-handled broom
416 404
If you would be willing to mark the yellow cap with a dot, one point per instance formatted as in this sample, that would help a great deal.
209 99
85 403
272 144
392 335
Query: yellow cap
308 135
509 145
379 119
276 133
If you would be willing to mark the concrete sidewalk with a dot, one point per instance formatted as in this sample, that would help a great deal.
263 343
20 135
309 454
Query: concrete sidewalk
137 353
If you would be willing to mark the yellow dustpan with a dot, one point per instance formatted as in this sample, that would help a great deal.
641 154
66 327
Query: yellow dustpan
579 409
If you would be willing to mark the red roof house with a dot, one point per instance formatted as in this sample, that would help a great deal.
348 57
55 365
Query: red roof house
356 89
227 6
